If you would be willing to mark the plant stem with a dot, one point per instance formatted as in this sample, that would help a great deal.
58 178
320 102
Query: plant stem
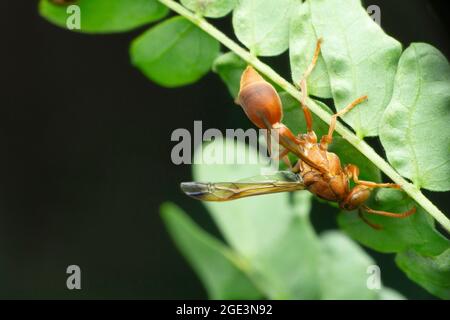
358 143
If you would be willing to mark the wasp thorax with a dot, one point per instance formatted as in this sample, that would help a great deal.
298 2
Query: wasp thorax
259 99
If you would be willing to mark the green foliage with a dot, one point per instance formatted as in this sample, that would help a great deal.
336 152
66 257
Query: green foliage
415 232
230 67
221 270
104 16
272 250
416 122
433 273
389 294
263 25
302 44
337 268
360 58
210 8
174 53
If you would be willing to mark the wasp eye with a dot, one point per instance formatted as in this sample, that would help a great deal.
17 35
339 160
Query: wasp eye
347 206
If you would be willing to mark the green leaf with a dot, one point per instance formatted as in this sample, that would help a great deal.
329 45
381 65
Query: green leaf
302 44
432 273
210 8
414 232
263 25
271 234
220 269
230 67
415 126
361 60
104 16
295 120
288 268
390 294
343 269
174 53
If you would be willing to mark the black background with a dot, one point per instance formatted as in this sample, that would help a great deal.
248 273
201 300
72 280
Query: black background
85 158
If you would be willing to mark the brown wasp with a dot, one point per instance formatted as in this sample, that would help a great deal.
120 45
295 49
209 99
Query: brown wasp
317 170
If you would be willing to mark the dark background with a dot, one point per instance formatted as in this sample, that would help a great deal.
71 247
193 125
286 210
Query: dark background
85 158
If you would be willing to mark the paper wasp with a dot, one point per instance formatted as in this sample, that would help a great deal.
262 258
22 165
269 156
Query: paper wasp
317 170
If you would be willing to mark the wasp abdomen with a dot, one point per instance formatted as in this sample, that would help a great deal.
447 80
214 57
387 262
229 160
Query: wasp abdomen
259 99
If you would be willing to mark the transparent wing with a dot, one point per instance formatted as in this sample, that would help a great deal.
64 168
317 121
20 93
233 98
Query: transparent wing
281 181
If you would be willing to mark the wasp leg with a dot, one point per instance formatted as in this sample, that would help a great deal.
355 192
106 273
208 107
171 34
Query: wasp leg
370 224
306 112
295 145
287 162
352 172
390 214
283 155
327 139
296 168
304 87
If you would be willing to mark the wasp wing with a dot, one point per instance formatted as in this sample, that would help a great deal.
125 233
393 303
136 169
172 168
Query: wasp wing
281 181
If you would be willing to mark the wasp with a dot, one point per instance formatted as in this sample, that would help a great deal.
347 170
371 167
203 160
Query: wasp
316 170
